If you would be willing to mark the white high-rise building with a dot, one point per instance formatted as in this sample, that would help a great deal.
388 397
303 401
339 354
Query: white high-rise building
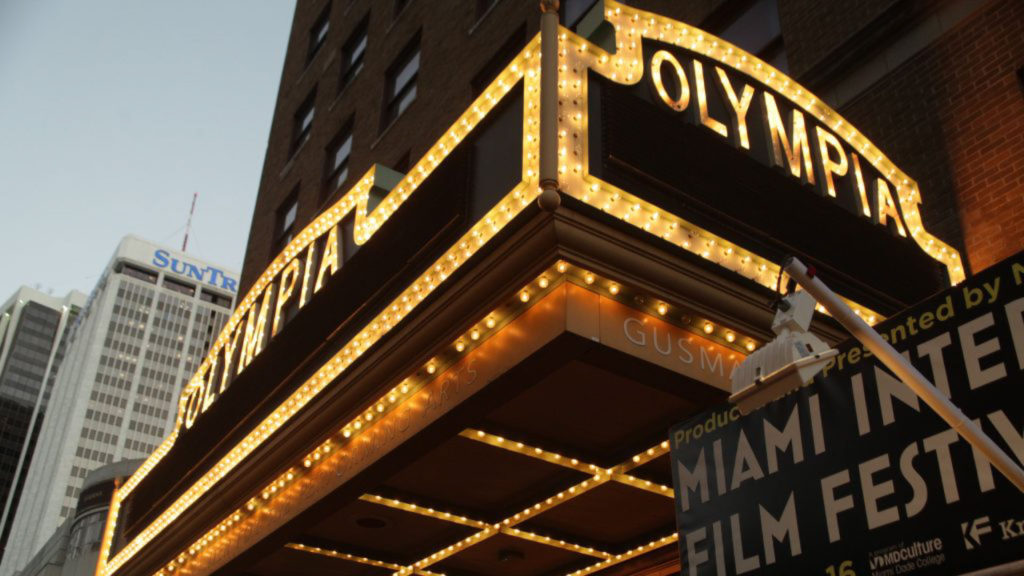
144 329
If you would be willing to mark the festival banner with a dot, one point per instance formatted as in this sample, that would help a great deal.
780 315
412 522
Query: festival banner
853 475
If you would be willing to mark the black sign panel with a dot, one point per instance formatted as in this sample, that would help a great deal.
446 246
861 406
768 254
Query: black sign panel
738 191
853 475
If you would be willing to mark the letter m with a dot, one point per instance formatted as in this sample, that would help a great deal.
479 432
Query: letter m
692 481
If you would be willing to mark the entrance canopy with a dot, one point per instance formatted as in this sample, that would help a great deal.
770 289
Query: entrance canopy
438 376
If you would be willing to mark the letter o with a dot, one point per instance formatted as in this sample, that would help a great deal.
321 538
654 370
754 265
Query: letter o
678 104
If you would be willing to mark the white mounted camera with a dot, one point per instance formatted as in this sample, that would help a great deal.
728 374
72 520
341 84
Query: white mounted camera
786 363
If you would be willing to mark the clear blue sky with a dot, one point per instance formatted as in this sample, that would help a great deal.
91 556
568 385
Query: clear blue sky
112 113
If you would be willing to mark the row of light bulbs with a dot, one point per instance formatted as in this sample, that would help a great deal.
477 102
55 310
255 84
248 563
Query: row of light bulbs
476 237
474 336
626 66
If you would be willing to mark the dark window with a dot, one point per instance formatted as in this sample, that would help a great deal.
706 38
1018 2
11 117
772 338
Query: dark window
303 123
352 53
509 50
399 6
139 273
179 286
318 33
574 10
482 6
286 215
215 299
756 29
336 169
401 82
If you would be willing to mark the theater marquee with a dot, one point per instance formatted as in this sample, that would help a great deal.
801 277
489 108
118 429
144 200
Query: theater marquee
694 79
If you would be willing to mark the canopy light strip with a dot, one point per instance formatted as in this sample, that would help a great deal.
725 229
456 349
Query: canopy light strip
288 483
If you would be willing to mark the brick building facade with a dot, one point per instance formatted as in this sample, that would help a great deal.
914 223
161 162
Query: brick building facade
937 85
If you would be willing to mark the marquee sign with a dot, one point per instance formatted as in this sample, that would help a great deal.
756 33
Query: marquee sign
854 474
809 140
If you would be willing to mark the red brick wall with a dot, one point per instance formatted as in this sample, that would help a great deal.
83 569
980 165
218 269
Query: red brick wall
455 47
953 118
812 29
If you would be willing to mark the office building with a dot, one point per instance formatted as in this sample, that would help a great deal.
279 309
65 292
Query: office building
33 336
144 328
492 262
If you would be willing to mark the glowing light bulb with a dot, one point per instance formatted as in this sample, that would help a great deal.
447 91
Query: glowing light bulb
662 308
524 296
709 327
614 289
751 345
588 278
475 334
490 322
460 345
729 336
543 282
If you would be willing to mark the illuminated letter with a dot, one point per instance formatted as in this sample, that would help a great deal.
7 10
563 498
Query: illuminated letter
288 277
862 193
678 104
330 258
887 206
192 404
210 395
739 106
229 355
782 153
306 271
702 102
828 165
255 327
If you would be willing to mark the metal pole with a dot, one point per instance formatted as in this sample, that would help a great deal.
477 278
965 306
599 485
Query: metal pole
906 372
548 152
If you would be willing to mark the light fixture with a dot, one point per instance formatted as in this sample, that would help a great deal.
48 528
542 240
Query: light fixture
786 363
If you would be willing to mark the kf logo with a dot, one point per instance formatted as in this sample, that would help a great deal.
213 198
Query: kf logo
1012 528
974 530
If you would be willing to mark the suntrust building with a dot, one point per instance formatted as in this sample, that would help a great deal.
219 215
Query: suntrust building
468 328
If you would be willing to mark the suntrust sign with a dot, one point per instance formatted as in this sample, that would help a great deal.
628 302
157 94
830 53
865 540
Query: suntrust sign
207 274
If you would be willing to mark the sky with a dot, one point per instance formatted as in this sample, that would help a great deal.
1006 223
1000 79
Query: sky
114 112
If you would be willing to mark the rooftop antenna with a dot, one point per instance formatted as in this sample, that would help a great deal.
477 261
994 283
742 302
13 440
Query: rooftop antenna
188 225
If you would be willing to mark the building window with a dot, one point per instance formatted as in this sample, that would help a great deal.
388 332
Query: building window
215 299
179 286
399 6
303 122
138 273
509 50
352 54
338 153
756 29
483 6
286 215
318 33
401 82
